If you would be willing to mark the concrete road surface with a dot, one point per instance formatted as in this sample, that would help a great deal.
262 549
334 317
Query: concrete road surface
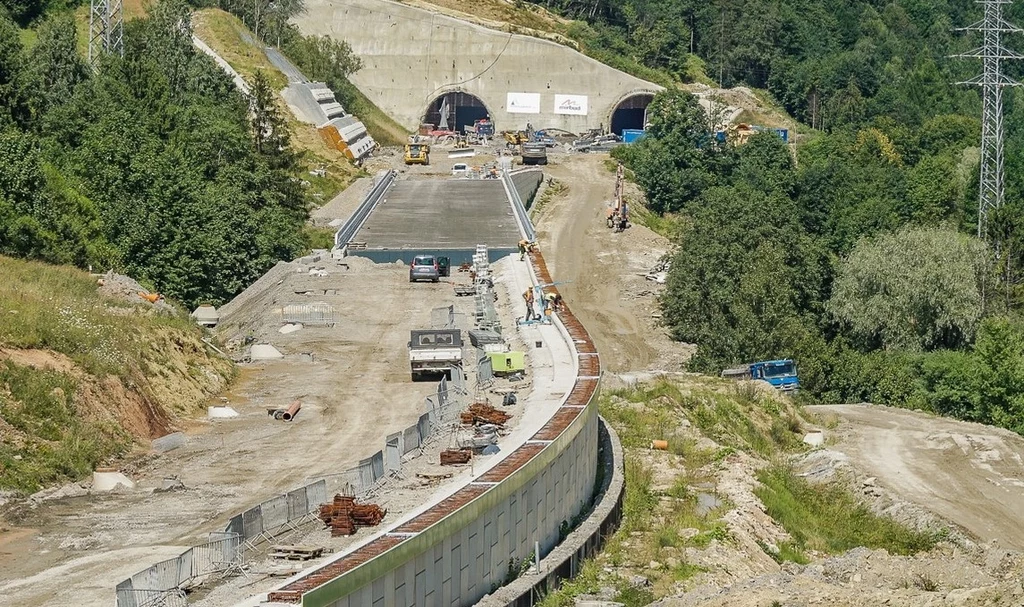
970 474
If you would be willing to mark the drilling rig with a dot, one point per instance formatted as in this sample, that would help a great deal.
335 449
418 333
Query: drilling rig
618 215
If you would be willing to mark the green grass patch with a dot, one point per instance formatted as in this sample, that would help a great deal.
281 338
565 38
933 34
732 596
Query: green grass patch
827 518
58 308
318 238
554 189
53 440
226 34
384 129
46 433
739 418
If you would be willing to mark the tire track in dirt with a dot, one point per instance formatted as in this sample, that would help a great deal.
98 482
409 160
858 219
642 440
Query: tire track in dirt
581 250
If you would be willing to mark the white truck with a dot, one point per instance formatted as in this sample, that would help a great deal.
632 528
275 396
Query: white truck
434 351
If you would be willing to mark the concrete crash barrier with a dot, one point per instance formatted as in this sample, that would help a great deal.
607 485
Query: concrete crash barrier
108 479
460 549
168 442
264 352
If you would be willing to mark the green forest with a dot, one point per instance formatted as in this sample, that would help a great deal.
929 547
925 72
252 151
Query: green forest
856 251
153 165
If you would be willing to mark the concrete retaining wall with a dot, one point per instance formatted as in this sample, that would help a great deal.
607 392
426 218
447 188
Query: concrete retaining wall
566 560
412 56
527 183
469 554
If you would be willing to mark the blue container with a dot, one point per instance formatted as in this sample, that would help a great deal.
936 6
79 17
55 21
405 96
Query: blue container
631 135
783 134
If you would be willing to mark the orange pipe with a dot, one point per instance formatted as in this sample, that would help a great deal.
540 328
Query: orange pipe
290 412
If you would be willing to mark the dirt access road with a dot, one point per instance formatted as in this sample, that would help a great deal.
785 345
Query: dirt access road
970 474
601 270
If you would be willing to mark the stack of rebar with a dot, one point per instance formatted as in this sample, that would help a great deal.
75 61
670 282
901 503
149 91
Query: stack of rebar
482 413
455 456
344 515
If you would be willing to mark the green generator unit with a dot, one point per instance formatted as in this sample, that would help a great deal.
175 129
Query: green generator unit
504 363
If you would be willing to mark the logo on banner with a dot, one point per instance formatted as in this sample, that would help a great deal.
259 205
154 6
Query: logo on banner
523 103
571 104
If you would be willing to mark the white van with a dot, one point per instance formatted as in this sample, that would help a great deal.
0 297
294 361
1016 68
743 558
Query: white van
460 169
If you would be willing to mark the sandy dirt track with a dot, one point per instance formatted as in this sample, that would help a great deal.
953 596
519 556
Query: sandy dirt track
970 474
601 269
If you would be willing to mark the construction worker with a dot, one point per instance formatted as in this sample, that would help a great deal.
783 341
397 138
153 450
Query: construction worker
528 297
524 246
552 301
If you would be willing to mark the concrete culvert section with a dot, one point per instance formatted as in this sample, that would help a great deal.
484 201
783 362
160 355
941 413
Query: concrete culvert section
631 112
455 111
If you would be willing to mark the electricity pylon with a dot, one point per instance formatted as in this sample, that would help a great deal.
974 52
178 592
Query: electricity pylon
106 30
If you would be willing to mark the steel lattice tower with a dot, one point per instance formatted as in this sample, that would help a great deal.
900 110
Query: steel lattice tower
992 81
106 29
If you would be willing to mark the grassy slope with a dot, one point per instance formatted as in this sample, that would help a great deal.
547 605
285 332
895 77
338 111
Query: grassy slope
83 375
659 515
226 34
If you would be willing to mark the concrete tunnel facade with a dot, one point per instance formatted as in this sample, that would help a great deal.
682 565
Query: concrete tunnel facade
412 57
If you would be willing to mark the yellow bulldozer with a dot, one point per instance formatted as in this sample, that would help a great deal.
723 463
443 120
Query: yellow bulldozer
417 153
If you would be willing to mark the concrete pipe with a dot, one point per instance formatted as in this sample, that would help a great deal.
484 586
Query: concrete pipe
291 411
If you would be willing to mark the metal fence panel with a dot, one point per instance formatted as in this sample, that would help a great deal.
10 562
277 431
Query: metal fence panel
184 568
378 465
297 506
215 556
275 512
423 427
252 523
318 313
366 472
316 494
161 576
458 378
393 452
443 392
432 412
234 525
411 439
135 597
484 371
126 596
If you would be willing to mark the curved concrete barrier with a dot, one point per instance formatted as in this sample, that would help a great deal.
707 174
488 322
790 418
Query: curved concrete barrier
566 560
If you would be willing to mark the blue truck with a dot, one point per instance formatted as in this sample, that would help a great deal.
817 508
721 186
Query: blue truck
781 374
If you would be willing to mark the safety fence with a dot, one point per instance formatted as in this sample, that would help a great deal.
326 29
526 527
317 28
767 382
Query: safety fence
319 313
278 514
164 584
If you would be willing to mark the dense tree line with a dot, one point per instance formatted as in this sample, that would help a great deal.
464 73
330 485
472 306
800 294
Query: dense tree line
855 252
151 165
828 62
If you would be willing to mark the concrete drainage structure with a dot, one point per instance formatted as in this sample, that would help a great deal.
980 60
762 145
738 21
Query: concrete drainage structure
464 547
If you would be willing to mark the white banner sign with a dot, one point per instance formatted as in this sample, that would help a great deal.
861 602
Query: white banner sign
571 104
523 103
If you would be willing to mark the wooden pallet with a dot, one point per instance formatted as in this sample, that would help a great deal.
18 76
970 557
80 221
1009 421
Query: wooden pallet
296 553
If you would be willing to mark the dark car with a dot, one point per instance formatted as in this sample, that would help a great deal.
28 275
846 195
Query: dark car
424 267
